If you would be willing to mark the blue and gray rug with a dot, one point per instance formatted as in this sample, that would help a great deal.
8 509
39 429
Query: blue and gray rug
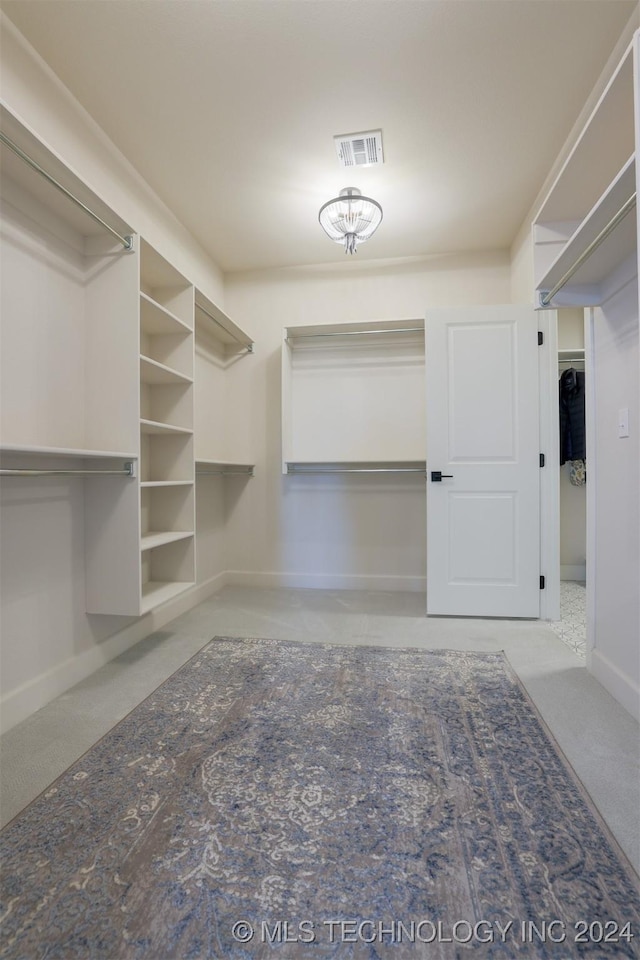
302 800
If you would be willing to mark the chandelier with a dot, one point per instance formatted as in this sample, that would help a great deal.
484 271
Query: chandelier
350 218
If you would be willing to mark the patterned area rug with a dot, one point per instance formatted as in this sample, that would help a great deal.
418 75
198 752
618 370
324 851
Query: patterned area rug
302 800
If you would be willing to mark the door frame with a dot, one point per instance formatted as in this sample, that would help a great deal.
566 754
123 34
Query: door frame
550 473
550 479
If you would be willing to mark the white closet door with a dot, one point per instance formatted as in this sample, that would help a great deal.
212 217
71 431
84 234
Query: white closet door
483 524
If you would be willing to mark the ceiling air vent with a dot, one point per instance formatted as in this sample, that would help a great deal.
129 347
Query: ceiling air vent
359 149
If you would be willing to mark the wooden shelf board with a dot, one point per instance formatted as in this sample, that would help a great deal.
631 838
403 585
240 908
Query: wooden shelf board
223 463
156 319
606 139
153 426
155 592
620 244
166 483
153 372
221 327
28 450
149 541
330 329
156 271
328 466
17 170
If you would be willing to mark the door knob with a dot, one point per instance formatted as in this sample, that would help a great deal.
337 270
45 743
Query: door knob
437 476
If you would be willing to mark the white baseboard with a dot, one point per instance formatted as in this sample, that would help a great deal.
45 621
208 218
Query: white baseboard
573 571
616 682
20 703
325 581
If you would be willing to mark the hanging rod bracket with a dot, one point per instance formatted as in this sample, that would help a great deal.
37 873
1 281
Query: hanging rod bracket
129 244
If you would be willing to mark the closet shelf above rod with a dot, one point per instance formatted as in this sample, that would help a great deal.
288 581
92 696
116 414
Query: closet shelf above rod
355 333
320 468
127 471
247 345
126 241
225 473
627 206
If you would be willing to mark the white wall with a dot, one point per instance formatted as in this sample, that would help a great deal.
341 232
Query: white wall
34 93
614 544
343 532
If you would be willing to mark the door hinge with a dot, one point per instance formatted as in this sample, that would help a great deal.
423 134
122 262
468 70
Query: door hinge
540 338
542 583
542 459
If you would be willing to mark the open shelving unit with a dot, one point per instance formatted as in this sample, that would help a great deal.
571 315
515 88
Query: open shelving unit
111 400
585 232
167 495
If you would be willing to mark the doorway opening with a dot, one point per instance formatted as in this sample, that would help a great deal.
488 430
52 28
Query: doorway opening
572 480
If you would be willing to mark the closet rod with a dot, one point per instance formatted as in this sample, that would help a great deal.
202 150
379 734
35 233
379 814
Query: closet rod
571 360
127 241
248 346
546 298
127 472
321 470
356 333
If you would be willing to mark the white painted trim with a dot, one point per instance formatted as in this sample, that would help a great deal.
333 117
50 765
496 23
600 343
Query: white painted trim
42 689
550 473
573 571
325 581
617 683
590 440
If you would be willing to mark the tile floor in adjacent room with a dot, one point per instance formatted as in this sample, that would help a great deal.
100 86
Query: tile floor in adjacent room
572 625
598 737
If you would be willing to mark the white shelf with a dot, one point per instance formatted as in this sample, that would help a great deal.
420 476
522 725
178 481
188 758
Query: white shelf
584 287
585 245
224 468
154 427
156 319
356 466
153 372
155 592
219 325
600 151
27 450
22 174
151 540
322 331
166 483
222 463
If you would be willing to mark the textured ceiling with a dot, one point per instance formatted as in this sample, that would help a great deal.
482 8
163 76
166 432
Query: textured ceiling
228 108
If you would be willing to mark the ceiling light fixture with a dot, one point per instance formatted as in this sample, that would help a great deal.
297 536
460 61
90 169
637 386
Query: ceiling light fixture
350 218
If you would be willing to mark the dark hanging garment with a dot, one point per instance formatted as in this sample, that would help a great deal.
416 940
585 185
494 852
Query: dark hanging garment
572 424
